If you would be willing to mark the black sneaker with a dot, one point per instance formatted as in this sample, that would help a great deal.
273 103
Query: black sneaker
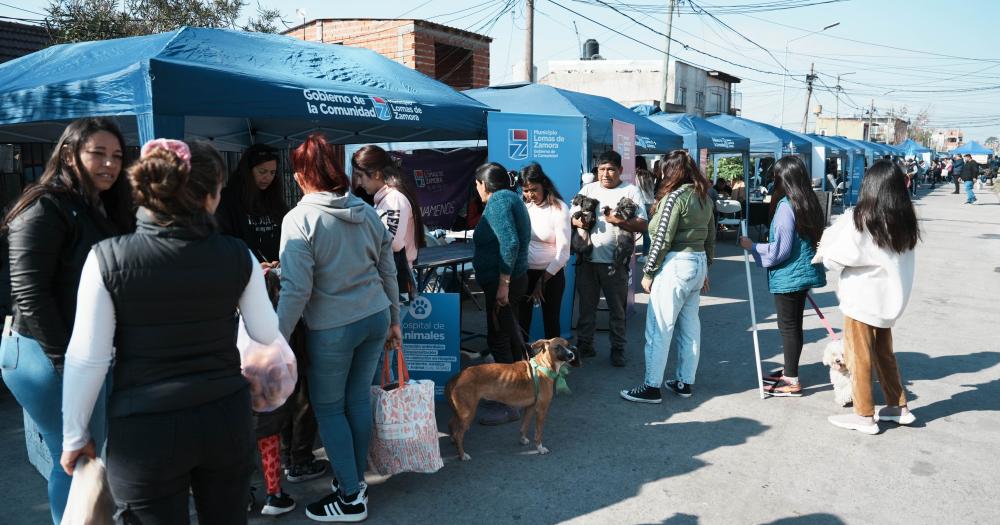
306 472
333 509
680 388
277 504
617 357
335 488
643 394
586 351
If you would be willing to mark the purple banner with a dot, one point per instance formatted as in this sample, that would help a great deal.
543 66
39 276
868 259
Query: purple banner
444 182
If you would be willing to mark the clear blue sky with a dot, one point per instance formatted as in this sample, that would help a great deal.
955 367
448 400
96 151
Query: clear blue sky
917 53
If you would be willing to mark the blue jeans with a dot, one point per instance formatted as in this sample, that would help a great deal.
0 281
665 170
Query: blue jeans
673 311
970 196
342 364
37 386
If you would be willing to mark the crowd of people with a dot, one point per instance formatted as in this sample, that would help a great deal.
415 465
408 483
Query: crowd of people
129 284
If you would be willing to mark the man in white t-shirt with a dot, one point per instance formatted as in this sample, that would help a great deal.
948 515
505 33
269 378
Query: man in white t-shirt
592 273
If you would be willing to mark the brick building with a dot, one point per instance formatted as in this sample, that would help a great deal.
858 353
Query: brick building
458 58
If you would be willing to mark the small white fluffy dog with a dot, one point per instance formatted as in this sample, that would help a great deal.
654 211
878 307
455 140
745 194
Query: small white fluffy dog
840 376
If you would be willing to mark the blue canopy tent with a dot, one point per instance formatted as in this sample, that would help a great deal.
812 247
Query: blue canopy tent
539 99
972 148
910 148
822 150
699 133
853 173
233 87
766 139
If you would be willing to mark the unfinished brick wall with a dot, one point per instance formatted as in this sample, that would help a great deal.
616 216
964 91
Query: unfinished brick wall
458 58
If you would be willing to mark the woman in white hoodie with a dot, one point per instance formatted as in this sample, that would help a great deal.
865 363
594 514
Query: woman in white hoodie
871 248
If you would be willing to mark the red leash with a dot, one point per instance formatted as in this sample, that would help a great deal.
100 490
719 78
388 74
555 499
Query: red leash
829 329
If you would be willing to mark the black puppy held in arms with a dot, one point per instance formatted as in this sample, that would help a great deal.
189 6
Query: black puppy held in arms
524 384
580 242
624 241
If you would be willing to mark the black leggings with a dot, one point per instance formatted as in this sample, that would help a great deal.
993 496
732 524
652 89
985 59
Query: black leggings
552 293
501 329
789 307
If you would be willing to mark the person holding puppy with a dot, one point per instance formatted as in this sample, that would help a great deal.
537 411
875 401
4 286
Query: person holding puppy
500 259
163 303
872 248
797 223
593 273
675 275
548 251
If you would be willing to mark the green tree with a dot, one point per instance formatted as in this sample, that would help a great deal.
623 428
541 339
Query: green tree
992 143
729 168
82 20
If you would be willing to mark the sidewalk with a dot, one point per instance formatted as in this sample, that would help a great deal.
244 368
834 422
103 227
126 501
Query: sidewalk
725 456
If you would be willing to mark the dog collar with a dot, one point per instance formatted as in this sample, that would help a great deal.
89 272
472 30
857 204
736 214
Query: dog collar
559 377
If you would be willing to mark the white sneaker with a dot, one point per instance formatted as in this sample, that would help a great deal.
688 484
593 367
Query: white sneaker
865 425
902 418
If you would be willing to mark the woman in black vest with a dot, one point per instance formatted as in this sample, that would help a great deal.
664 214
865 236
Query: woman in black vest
166 298
80 200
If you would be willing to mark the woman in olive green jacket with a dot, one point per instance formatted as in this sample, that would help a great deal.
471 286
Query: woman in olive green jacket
675 275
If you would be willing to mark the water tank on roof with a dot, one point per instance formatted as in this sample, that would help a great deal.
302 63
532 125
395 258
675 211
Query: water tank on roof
591 49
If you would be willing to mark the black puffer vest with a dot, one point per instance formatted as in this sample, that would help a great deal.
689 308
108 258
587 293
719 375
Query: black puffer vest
175 293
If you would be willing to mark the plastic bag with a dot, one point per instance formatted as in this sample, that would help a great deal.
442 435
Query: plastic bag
89 501
270 369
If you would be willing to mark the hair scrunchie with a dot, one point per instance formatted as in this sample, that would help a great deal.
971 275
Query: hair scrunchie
177 147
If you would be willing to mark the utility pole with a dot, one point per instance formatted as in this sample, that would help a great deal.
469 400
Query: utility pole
809 91
529 44
666 58
836 117
871 116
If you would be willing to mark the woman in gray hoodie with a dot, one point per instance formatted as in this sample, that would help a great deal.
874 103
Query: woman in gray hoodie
338 274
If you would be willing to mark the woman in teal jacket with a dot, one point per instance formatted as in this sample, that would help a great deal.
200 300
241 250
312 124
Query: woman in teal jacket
500 260
797 223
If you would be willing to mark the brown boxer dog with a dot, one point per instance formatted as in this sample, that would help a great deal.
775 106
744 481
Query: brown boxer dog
522 384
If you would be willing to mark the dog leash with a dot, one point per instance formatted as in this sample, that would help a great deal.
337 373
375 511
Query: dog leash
829 329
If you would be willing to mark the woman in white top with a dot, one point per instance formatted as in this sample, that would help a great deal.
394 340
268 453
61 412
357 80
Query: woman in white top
871 247
396 204
548 251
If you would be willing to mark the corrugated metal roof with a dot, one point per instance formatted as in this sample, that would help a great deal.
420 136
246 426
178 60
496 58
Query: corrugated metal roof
17 40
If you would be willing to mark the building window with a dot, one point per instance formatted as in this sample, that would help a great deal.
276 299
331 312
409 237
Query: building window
682 96
453 66
699 100
716 103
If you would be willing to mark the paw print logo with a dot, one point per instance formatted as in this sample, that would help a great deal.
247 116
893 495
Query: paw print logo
420 308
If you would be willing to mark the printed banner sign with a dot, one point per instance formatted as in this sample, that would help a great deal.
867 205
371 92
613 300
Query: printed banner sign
432 338
624 144
319 102
443 181
857 173
558 144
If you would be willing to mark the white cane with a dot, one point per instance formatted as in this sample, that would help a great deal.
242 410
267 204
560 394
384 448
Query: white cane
753 313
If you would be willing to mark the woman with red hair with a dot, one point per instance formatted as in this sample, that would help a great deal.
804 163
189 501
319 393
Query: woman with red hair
338 274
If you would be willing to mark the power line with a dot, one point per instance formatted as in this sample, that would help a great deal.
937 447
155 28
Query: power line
22 9
682 44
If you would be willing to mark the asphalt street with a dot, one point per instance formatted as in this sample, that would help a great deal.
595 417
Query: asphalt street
724 455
